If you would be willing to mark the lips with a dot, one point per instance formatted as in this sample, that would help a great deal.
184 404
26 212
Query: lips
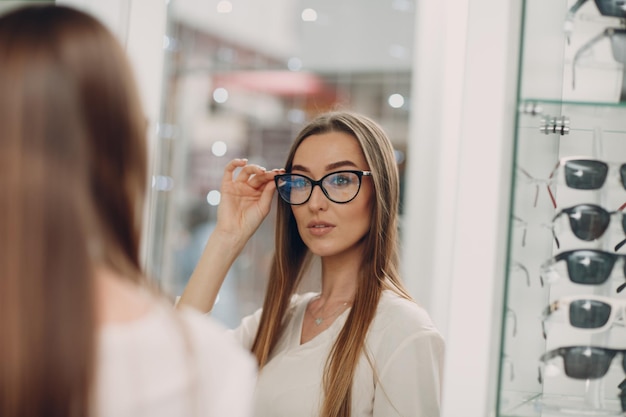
318 224
319 228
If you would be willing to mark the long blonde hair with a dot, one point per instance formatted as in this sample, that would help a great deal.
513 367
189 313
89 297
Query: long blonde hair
378 271
72 175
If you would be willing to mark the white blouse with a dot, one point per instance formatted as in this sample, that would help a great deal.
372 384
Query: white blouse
406 349
172 363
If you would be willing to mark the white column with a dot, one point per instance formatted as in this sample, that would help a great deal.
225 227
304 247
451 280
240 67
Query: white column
460 156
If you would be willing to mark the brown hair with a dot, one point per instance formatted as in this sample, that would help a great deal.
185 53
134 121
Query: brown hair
378 271
72 175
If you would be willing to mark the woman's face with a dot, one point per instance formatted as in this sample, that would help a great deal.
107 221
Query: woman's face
328 228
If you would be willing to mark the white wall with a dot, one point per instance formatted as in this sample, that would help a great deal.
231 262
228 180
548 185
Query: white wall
461 154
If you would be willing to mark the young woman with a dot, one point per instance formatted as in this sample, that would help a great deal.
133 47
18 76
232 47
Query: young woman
82 335
361 346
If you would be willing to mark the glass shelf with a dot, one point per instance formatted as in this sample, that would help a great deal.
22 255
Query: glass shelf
538 101
552 123
524 404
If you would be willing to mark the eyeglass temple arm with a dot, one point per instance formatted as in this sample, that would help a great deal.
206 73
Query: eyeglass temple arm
584 49
550 179
569 18
545 358
623 242
546 313
556 239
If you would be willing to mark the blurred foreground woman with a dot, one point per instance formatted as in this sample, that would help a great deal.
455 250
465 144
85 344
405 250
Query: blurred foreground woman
82 333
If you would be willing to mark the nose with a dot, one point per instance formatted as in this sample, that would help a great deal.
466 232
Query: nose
318 200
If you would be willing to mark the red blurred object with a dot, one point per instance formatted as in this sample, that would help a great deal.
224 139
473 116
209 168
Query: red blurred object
279 83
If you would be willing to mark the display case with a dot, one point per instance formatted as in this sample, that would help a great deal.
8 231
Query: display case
563 349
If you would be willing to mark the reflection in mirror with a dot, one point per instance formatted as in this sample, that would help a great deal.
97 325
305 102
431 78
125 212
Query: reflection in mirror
241 79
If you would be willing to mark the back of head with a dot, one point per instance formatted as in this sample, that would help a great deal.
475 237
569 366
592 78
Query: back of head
116 127
72 168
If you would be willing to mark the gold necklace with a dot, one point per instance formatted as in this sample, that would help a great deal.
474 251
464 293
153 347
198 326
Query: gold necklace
318 320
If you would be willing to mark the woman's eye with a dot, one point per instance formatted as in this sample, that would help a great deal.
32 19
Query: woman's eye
340 179
298 183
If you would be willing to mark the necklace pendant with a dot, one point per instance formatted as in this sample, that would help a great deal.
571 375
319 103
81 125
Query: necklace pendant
318 321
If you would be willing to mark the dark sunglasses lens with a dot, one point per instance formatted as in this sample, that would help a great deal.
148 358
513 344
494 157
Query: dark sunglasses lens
618 38
589 267
585 174
589 314
585 362
588 222
294 189
622 174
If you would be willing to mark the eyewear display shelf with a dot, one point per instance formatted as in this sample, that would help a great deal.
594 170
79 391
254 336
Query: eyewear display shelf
563 340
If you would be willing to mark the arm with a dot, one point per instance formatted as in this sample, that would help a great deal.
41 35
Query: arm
245 202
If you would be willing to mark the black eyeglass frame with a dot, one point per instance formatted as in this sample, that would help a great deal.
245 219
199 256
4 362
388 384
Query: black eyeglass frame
586 351
359 173
602 258
589 235
615 35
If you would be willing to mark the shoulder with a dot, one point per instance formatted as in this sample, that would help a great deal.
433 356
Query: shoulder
399 319
209 336
396 311
168 351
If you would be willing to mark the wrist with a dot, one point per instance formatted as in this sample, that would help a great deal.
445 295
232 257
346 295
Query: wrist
228 241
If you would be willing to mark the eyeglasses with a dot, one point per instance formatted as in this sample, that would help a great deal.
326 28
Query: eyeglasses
617 37
613 8
339 187
588 362
584 266
579 174
590 313
584 362
588 222
586 174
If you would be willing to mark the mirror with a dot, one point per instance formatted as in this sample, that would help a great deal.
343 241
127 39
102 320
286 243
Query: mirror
240 80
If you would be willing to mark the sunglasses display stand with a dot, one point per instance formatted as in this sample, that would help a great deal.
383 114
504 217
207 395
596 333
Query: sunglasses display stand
556 373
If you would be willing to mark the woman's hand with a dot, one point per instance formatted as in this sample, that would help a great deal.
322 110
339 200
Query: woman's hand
245 201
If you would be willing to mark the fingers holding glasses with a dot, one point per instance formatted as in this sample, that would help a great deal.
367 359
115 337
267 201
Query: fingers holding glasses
246 197
252 175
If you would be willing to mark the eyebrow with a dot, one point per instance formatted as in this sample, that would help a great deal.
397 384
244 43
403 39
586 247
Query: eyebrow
329 167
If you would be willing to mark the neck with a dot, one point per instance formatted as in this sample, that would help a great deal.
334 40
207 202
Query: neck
339 280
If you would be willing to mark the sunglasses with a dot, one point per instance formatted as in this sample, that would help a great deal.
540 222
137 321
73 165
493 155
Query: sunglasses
588 222
613 8
339 187
577 173
585 174
584 266
584 362
617 36
589 313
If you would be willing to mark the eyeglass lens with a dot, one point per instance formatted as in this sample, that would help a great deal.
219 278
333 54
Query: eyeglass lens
589 267
586 362
339 187
585 174
589 314
588 222
588 174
